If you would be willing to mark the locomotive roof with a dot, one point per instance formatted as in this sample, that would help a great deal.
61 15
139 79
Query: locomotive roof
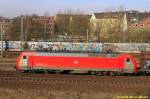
71 54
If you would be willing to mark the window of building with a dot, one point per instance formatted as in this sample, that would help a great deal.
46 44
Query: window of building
142 24
136 24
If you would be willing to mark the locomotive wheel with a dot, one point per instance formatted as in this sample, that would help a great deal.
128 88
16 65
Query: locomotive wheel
111 73
99 73
92 72
66 72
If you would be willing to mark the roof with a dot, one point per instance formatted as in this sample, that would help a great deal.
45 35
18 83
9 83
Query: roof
109 15
73 15
137 15
1 18
133 14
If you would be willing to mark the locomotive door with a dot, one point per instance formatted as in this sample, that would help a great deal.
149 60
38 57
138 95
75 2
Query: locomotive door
129 68
24 62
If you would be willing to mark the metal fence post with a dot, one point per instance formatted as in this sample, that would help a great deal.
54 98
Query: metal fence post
21 34
1 40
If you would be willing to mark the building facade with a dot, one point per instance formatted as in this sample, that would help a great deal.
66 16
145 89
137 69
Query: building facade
137 20
6 28
108 25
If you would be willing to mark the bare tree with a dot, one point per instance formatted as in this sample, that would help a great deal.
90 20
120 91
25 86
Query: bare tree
74 24
117 29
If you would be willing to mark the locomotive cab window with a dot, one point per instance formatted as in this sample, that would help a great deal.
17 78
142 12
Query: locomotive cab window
127 60
24 57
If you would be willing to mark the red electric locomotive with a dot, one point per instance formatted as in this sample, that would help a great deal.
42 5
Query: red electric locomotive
121 64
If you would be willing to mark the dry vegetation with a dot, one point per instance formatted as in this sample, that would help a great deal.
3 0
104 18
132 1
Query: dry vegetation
68 94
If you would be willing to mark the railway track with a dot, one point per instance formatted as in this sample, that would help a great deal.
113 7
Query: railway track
80 83
75 81
69 86
7 64
7 61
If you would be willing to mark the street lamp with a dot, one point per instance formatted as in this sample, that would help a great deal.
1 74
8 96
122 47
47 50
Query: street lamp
87 37
2 31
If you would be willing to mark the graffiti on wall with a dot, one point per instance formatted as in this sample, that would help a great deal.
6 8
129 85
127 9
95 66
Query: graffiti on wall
127 47
130 47
69 46
59 46
12 45
1 45
38 46
109 47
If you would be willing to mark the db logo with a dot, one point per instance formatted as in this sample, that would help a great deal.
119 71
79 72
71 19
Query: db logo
76 62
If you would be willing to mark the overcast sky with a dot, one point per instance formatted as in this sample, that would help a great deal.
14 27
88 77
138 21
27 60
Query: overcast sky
11 8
